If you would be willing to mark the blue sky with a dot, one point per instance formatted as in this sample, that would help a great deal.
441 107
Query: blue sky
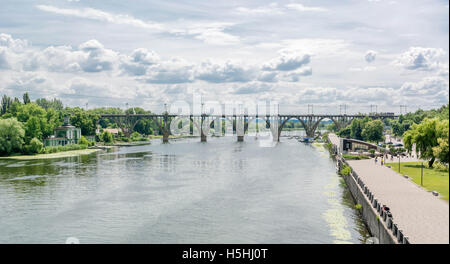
147 53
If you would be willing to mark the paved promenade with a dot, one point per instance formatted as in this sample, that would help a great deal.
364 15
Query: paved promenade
423 217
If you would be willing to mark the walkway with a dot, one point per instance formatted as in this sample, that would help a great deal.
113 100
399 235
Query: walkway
423 217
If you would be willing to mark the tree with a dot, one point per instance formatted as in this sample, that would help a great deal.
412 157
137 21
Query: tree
107 137
86 120
357 126
345 132
35 146
11 136
373 131
26 98
425 136
5 104
47 104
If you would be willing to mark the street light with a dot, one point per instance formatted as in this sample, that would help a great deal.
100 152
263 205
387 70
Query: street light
421 174
398 162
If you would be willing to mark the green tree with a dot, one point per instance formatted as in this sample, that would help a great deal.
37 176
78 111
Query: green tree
373 131
425 136
107 137
86 120
35 146
357 126
5 104
345 132
11 136
48 104
26 98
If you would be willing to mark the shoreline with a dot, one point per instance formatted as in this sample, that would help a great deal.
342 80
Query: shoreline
63 154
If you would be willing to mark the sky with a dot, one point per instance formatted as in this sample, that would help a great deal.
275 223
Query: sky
135 53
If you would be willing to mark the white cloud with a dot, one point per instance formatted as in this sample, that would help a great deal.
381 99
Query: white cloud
418 58
271 9
99 15
302 8
209 32
226 72
370 56
429 86
287 62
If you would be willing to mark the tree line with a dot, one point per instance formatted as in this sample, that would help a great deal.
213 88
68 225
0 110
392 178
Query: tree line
427 130
24 124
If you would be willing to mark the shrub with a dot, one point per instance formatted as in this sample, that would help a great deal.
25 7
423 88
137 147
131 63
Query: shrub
358 206
35 146
345 170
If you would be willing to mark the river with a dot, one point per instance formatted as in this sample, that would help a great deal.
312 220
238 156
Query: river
221 191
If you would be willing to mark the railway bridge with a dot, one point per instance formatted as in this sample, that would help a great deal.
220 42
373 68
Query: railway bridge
236 124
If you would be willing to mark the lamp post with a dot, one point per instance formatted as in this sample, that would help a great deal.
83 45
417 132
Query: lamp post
398 162
421 174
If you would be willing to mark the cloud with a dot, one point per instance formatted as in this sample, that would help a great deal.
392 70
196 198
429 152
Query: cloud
418 58
226 72
95 14
294 76
4 64
370 56
16 45
252 88
271 9
209 32
287 62
172 71
429 86
302 8
365 69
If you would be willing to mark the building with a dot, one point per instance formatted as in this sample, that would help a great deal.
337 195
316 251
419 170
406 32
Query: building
64 135
352 145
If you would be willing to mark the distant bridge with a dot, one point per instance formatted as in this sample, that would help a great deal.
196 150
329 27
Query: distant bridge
275 123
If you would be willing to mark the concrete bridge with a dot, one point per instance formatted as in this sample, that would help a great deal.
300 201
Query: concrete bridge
239 123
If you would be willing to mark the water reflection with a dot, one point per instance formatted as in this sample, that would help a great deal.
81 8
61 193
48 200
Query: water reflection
183 192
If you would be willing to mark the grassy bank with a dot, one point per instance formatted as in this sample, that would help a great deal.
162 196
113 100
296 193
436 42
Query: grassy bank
63 154
433 179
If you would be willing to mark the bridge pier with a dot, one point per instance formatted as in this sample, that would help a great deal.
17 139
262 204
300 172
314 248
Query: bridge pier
202 137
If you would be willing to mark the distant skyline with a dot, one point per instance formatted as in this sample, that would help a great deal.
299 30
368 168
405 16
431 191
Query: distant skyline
147 53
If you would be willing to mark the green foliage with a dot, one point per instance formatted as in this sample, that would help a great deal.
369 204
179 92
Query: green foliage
373 131
35 147
357 126
135 136
55 149
26 98
345 170
11 136
358 206
84 141
352 157
425 135
5 104
50 104
345 133
107 137
85 120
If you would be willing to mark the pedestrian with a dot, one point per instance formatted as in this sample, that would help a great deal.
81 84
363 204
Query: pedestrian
381 161
376 159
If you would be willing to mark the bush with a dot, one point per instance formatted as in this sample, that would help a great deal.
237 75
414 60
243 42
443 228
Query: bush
84 141
351 157
345 170
48 150
35 147
358 206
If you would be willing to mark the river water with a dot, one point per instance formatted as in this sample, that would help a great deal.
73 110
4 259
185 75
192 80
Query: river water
221 191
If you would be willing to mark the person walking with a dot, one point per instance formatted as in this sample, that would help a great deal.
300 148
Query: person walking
381 161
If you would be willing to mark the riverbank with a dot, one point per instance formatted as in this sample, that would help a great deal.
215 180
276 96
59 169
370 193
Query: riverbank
417 214
64 154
